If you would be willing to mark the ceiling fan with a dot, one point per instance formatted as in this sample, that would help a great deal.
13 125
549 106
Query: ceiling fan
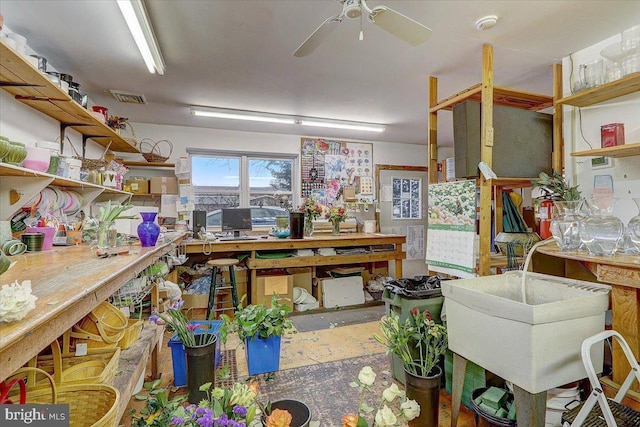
389 20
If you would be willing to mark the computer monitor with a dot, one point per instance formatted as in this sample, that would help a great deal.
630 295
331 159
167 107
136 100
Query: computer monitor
236 219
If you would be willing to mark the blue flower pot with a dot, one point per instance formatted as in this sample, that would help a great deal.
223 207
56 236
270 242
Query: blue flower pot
263 355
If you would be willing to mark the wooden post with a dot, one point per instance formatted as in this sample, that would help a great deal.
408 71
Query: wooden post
486 155
557 161
433 130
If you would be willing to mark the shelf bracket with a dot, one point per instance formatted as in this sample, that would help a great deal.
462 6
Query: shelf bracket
84 143
63 129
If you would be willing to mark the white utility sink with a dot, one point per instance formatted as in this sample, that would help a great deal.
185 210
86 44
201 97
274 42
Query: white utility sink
535 345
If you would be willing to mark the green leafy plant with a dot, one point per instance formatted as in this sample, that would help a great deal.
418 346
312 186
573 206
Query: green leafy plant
419 341
555 187
258 320
111 213
159 408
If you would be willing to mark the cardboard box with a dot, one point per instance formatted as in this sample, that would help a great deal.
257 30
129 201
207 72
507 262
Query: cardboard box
137 186
269 284
317 290
163 185
342 292
302 277
195 300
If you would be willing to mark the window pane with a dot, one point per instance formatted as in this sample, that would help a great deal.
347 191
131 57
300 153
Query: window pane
215 171
270 175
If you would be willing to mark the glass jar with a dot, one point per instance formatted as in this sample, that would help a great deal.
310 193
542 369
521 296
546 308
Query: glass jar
308 226
107 235
564 225
335 228
600 231
633 228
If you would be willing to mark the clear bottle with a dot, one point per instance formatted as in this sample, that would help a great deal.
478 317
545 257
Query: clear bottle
564 225
600 231
633 228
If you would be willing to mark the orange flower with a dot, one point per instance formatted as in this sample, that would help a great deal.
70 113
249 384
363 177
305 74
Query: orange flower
253 386
349 420
279 418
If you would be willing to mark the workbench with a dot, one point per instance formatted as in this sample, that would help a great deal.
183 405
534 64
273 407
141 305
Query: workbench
272 244
69 282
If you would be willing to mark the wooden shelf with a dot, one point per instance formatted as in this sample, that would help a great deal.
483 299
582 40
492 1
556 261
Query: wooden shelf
147 164
315 261
626 150
37 91
501 96
146 194
621 87
507 183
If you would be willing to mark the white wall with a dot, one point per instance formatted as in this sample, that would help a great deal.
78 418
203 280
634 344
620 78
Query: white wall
587 121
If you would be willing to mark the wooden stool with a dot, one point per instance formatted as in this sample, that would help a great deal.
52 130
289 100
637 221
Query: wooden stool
218 305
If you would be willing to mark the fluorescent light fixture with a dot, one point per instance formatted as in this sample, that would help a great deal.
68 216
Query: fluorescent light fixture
254 116
137 19
224 113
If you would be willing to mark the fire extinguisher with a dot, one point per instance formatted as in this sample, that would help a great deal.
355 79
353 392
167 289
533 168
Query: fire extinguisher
545 211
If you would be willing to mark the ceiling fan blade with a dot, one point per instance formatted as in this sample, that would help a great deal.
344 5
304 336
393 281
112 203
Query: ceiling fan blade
314 40
399 25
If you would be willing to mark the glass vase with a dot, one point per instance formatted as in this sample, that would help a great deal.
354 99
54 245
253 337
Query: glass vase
107 235
308 226
633 228
148 230
601 232
335 228
564 225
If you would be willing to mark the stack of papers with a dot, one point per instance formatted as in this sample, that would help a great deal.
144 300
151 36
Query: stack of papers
326 251
304 252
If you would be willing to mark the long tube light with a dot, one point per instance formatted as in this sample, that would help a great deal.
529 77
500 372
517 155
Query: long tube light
224 113
140 27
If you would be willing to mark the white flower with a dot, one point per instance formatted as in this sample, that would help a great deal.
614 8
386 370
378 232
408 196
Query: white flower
410 409
16 301
367 376
390 393
385 417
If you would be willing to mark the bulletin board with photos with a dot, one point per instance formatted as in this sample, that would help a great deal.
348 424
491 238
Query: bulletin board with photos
331 169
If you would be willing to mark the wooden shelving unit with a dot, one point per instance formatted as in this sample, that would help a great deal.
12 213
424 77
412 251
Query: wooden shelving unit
131 164
627 150
489 95
31 87
624 86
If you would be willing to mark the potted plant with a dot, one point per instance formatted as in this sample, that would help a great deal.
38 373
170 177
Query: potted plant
420 343
200 347
312 211
260 328
335 217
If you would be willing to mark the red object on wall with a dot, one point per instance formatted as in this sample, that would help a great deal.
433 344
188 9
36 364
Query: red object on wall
612 134
546 211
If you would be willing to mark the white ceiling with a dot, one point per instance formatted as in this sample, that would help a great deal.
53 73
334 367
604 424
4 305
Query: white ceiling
238 54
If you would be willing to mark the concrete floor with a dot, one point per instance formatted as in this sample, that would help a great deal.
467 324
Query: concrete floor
312 349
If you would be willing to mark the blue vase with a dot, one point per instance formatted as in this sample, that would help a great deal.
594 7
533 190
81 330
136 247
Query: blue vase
148 231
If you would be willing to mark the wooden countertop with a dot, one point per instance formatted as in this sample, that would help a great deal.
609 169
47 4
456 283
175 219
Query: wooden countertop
69 282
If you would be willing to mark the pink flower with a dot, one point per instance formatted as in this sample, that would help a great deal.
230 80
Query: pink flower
192 327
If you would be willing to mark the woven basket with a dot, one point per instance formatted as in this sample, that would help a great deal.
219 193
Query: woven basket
91 164
109 318
90 405
98 366
131 334
79 335
152 150
130 139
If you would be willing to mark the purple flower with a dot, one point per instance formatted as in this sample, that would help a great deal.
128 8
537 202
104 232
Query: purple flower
240 410
177 305
201 411
177 421
154 318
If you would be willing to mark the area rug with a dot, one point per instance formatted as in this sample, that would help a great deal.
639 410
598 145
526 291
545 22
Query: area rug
325 388
334 318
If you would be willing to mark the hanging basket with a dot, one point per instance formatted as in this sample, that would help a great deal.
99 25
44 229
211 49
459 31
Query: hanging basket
153 151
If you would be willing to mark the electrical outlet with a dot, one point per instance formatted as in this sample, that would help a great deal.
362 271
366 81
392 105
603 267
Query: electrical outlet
601 162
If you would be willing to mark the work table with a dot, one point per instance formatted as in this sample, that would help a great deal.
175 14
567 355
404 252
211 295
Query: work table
69 282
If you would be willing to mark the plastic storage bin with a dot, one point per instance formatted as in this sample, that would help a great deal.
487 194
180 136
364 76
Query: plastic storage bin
263 355
179 357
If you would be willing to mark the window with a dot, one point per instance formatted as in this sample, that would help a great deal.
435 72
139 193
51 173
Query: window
231 179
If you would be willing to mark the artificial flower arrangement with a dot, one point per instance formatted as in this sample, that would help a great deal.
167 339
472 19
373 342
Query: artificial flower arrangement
419 341
311 208
179 322
392 397
336 215
16 300
115 122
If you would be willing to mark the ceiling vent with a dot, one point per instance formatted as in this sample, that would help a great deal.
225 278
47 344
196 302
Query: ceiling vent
128 97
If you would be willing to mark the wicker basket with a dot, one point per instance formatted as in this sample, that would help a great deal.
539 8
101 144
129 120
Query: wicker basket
91 164
90 405
108 318
79 335
130 139
152 150
131 334
98 366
